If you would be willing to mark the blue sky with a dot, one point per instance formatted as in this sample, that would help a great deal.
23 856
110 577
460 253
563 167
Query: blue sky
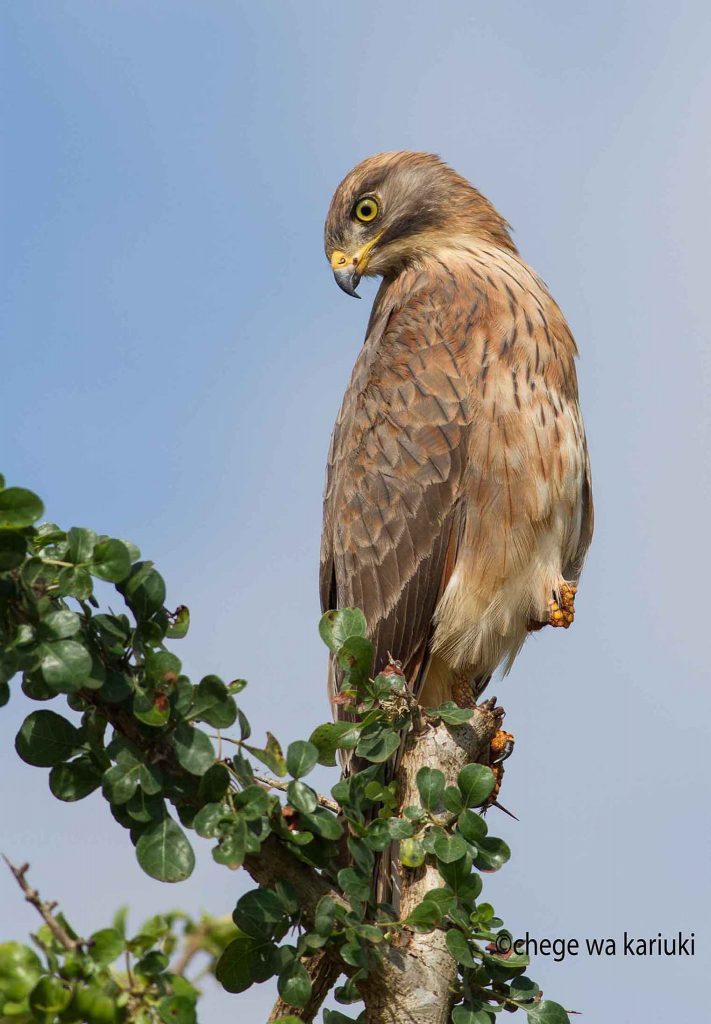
174 351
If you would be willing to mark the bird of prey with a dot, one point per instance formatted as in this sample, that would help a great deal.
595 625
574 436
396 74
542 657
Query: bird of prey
458 507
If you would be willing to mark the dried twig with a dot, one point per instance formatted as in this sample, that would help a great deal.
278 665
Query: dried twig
266 780
192 945
44 908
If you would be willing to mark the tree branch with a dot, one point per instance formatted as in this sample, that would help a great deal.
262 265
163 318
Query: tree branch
414 981
324 971
266 780
43 908
274 863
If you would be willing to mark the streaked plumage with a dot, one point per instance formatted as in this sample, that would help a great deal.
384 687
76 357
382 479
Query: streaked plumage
457 495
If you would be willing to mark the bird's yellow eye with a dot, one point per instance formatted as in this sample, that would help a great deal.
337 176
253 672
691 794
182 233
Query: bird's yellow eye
366 210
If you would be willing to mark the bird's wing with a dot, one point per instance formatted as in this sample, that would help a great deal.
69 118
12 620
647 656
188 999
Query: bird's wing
393 514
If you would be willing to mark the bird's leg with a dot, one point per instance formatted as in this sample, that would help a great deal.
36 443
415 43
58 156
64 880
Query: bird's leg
500 748
561 610
462 691
502 742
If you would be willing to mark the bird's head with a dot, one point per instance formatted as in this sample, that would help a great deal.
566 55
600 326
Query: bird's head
393 209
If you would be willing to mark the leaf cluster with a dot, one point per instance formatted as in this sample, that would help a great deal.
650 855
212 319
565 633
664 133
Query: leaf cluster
138 731
111 977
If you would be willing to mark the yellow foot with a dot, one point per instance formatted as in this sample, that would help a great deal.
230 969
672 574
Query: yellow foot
500 748
562 612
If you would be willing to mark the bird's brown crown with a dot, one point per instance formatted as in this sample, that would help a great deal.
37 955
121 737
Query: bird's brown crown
394 207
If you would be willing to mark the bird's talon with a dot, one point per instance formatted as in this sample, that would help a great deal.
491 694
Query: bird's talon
561 612
501 746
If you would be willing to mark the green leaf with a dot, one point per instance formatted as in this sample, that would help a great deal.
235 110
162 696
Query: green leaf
475 781
177 1010
451 713
75 582
193 749
449 848
333 736
144 808
361 855
457 875
144 590
232 847
323 823
4 694
73 780
116 688
151 708
105 946
301 756
443 898
239 965
208 820
62 623
49 996
547 1012
399 828
65 663
412 853
162 667
121 780
20 969
472 826
424 917
46 739
252 802
163 851
430 783
355 954
463 1015
325 916
13 548
152 964
336 626
301 797
355 656
452 799
214 783
492 854
81 544
110 560
271 755
523 989
91 1005
213 703
459 948
376 836
259 913
354 885
19 507
378 743
294 984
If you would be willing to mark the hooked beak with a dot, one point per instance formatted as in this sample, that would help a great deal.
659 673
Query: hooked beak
348 279
348 269
345 271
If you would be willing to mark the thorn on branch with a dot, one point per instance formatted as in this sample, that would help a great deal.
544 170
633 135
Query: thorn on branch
43 908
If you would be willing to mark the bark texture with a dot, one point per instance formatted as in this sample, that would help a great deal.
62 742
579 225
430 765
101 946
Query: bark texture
324 971
414 983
